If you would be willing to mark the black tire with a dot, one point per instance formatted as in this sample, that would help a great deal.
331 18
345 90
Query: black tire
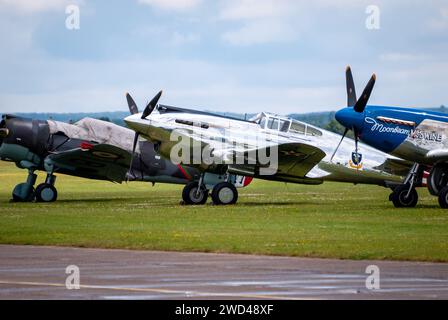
438 179
46 193
189 194
18 191
443 197
400 200
224 193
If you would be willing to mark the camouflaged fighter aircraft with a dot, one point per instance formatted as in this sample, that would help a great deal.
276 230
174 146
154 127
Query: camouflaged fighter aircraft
306 154
89 148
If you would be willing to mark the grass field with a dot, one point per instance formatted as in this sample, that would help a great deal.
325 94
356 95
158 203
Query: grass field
331 220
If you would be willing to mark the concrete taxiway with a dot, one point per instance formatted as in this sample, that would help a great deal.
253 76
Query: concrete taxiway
33 272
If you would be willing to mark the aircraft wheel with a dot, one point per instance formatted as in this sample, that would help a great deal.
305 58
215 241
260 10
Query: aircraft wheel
23 192
438 179
443 197
400 199
191 196
46 193
224 193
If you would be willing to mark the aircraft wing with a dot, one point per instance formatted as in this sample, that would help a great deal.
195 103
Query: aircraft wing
396 166
100 161
297 159
294 159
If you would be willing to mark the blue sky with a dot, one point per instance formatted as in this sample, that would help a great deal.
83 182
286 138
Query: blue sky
281 56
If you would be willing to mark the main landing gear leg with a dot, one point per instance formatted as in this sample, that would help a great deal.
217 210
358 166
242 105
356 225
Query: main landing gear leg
24 192
405 195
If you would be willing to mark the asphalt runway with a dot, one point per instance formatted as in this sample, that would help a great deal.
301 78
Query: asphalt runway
33 272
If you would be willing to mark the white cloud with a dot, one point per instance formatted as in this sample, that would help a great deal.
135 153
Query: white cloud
273 21
33 6
254 9
264 21
260 32
444 12
172 4
403 57
440 22
179 39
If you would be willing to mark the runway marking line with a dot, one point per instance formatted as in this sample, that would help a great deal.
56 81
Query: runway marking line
186 293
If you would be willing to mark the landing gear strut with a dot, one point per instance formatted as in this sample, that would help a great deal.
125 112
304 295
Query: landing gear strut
405 195
44 192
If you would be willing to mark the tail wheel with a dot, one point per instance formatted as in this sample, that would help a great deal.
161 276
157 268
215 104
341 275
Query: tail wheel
46 192
224 193
191 194
443 197
401 199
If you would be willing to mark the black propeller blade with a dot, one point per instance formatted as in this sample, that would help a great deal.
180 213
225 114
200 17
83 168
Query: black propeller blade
362 102
134 110
351 92
335 150
151 105
358 105
131 104
134 146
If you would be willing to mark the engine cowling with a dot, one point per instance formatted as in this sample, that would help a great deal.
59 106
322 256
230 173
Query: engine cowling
29 133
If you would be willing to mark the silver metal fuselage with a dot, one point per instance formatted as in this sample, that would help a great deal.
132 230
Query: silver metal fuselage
207 128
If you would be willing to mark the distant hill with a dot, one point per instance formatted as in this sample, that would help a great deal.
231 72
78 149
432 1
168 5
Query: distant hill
323 120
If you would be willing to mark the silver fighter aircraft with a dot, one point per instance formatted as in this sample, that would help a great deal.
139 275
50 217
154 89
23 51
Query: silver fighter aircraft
297 152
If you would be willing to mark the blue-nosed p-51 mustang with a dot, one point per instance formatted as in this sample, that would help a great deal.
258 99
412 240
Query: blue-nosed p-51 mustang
415 135
305 154
89 148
